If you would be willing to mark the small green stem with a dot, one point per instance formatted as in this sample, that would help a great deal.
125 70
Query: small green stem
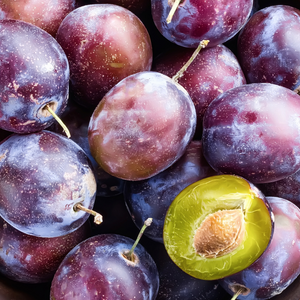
97 217
237 294
129 255
55 116
202 44
172 11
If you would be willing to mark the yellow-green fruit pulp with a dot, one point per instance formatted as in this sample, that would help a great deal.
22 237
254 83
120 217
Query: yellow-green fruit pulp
217 226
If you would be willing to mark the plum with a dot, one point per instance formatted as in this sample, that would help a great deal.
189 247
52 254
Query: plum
153 196
267 50
279 265
196 20
34 76
142 126
217 227
44 176
46 14
213 71
104 43
97 268
29 259
253 131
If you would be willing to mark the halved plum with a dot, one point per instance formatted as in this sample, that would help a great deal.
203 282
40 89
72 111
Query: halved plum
218 226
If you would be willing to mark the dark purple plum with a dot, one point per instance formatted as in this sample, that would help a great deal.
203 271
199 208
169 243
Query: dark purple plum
287 188
29 259
104 43
46 14
213 71
97 269
43 176
77 119
177 285
34 74
253 131
153 196
196 20
142 126
267 50
279 265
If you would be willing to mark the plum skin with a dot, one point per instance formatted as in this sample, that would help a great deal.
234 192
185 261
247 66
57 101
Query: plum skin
104 43
43 175
196 20
97 267
29 259
266 46
142 126
253 131
279 265
34 73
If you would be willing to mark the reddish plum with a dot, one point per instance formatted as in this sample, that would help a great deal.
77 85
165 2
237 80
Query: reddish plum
253 131
34 74
213 71
267 47
104 44
46 14
153 196
196 20
43 176
97 269
279 265
142 126
29 259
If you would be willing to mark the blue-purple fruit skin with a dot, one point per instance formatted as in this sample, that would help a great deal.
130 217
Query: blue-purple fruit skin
96 269
253 131
29 259
279 265
197 20
152 197
43 175
267 50
34 73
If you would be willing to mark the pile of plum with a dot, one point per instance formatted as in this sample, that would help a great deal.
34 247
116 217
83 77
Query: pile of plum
149 149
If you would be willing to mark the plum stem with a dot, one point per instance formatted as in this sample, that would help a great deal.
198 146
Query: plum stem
98 219
172 11
61 123
237 294
129 254
201 45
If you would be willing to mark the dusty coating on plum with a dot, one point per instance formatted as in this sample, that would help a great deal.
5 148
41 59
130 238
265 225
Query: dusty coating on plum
220 233
192 22
267 48
142 126
246 134
35 72
104 44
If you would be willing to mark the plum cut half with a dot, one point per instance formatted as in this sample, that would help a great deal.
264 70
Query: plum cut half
217 227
